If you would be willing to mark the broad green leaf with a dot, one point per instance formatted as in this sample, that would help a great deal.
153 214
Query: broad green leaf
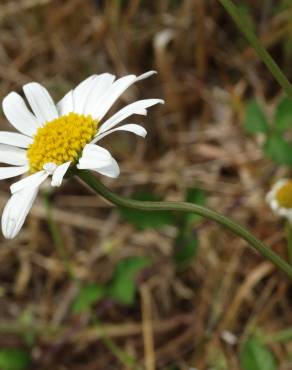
186 246
196 196
147 219
278 149
255 120
14 359
283 116
88 295
123 285
254 355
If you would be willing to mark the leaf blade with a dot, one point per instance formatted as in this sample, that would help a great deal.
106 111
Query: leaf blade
254 355
255 120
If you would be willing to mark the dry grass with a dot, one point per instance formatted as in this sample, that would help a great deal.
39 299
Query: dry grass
181 318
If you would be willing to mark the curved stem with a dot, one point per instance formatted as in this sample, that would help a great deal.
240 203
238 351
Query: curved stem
98 187
234 13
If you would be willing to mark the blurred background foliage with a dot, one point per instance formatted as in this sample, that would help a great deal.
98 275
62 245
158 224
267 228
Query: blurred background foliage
85 286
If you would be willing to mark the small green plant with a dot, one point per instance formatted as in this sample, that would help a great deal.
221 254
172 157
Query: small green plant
277 145
122 288
255 355
186 243
14 359
88 296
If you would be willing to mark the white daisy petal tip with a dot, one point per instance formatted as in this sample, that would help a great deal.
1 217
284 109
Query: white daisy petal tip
18 114
16 210
41 102
9 230
130 127
146 75
279 198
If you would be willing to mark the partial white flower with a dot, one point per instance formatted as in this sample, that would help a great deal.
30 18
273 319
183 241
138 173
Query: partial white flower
280 198
53 137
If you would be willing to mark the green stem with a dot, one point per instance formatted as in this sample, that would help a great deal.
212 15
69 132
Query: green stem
255 43
98 187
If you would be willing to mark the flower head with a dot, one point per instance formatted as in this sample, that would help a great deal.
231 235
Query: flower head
52 138
280 198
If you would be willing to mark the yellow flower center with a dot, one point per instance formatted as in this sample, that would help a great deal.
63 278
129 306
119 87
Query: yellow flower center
61 140
284 195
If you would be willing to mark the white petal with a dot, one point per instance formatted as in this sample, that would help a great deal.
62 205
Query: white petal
16 210
15 139
12 155
112 94
146 75
94 156
111 169
274 204
65 105
131 127
18 115
82 92
88 163
7 172
115 91
282 211
31 181
101 85
59 173
138 107
41 102
97 151
50 167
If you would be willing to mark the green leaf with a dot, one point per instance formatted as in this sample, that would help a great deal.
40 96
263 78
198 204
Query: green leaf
278 149
254 355
255 120
123 285
145 219
283 116
196 196
14 359
186 246
88 295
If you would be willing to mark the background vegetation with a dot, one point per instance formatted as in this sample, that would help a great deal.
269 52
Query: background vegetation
85 286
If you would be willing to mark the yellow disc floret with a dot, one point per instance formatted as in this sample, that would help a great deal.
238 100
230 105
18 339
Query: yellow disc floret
61 140
284 195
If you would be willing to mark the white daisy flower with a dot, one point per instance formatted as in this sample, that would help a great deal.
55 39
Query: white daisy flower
54 137
280 198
